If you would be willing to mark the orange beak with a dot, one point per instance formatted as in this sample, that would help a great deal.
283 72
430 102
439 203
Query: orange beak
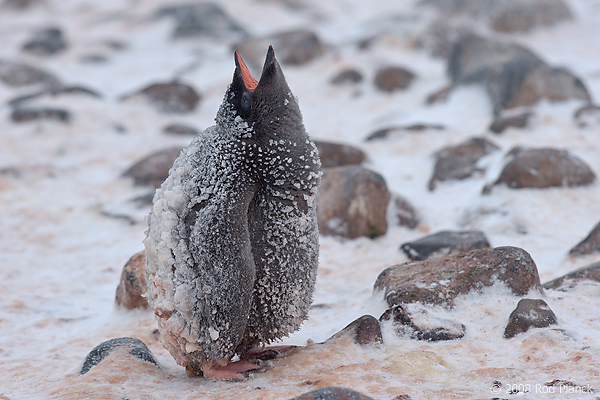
249 81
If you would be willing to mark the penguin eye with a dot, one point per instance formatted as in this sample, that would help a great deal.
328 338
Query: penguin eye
246 102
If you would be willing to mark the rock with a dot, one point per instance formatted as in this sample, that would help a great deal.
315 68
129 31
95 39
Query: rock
405 212
390 79
431 330
530 313
333 393
17 74
295 47
352 202
21 5
46 42
365 330
414 128
153 169
35 114
180 129
512 75
347 76
508 16
135 347
587 115
440 280
172 97
543 168
588 245
202 19
500 124
460 161
133 283
444 243
439 37
590 273
337 155
55 91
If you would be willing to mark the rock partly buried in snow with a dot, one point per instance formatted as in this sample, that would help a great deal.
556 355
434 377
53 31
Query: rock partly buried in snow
202 19
588 245
180 129
337 154
501 123
365 330
171 97
508 16
21 5
530 313
414 128
46 42
512 75
460 161
333 393
153 169
543 168
40 114
427 328
405 212
444 243
295 47
133 283
18 74
347 76
440 280
390 79
587 273
587 115
133 346
55 91
352 202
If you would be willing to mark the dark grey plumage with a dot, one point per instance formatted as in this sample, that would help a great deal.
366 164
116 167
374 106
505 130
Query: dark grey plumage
232 244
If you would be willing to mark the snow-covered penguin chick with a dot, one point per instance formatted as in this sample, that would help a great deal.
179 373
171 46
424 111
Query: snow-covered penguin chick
232 245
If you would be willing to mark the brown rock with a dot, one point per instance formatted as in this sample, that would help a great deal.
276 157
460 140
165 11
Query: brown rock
180 129
530 313
405 212
390 79
589 273
414 128
133 283
460 161
543 168
347 76
500 124
172 97
439 280
364 330
352 202
337 155
153 169
444 243
433 330
333 393
295 47
588 245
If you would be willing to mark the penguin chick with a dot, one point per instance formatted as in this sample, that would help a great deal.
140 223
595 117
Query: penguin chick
232 245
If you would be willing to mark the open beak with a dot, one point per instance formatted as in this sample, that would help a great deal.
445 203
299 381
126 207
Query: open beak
249 81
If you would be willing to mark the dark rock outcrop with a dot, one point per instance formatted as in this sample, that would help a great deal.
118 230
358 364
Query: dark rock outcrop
444 243
405 212
530 313
337 154
589 273
46 42
171 97
40 114
433 330
588 245
135 347
153 169
333 393
365 330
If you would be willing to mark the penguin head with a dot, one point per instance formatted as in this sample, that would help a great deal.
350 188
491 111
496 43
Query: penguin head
267 106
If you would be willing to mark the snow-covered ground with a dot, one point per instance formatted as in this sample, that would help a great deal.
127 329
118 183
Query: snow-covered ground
61 252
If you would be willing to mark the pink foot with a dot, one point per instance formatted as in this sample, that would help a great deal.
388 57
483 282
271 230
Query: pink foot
231 372
269 352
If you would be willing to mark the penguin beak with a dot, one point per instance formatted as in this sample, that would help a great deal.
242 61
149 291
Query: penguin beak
249 81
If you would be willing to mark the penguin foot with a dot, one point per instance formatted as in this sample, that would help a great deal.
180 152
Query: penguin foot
235 371
268 353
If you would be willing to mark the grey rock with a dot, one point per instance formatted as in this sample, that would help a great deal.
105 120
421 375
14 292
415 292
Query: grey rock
413 128
136 348
46 42
180 129
588 245
587 115
333 393
18 74
365 330
337 154
405 212
153 169
444 243
543 168
170 97
347 76
460 161
55 91
587 273
439 280
352 202
530 313
41 113
435 331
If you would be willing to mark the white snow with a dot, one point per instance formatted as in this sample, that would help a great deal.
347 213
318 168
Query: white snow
61 255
